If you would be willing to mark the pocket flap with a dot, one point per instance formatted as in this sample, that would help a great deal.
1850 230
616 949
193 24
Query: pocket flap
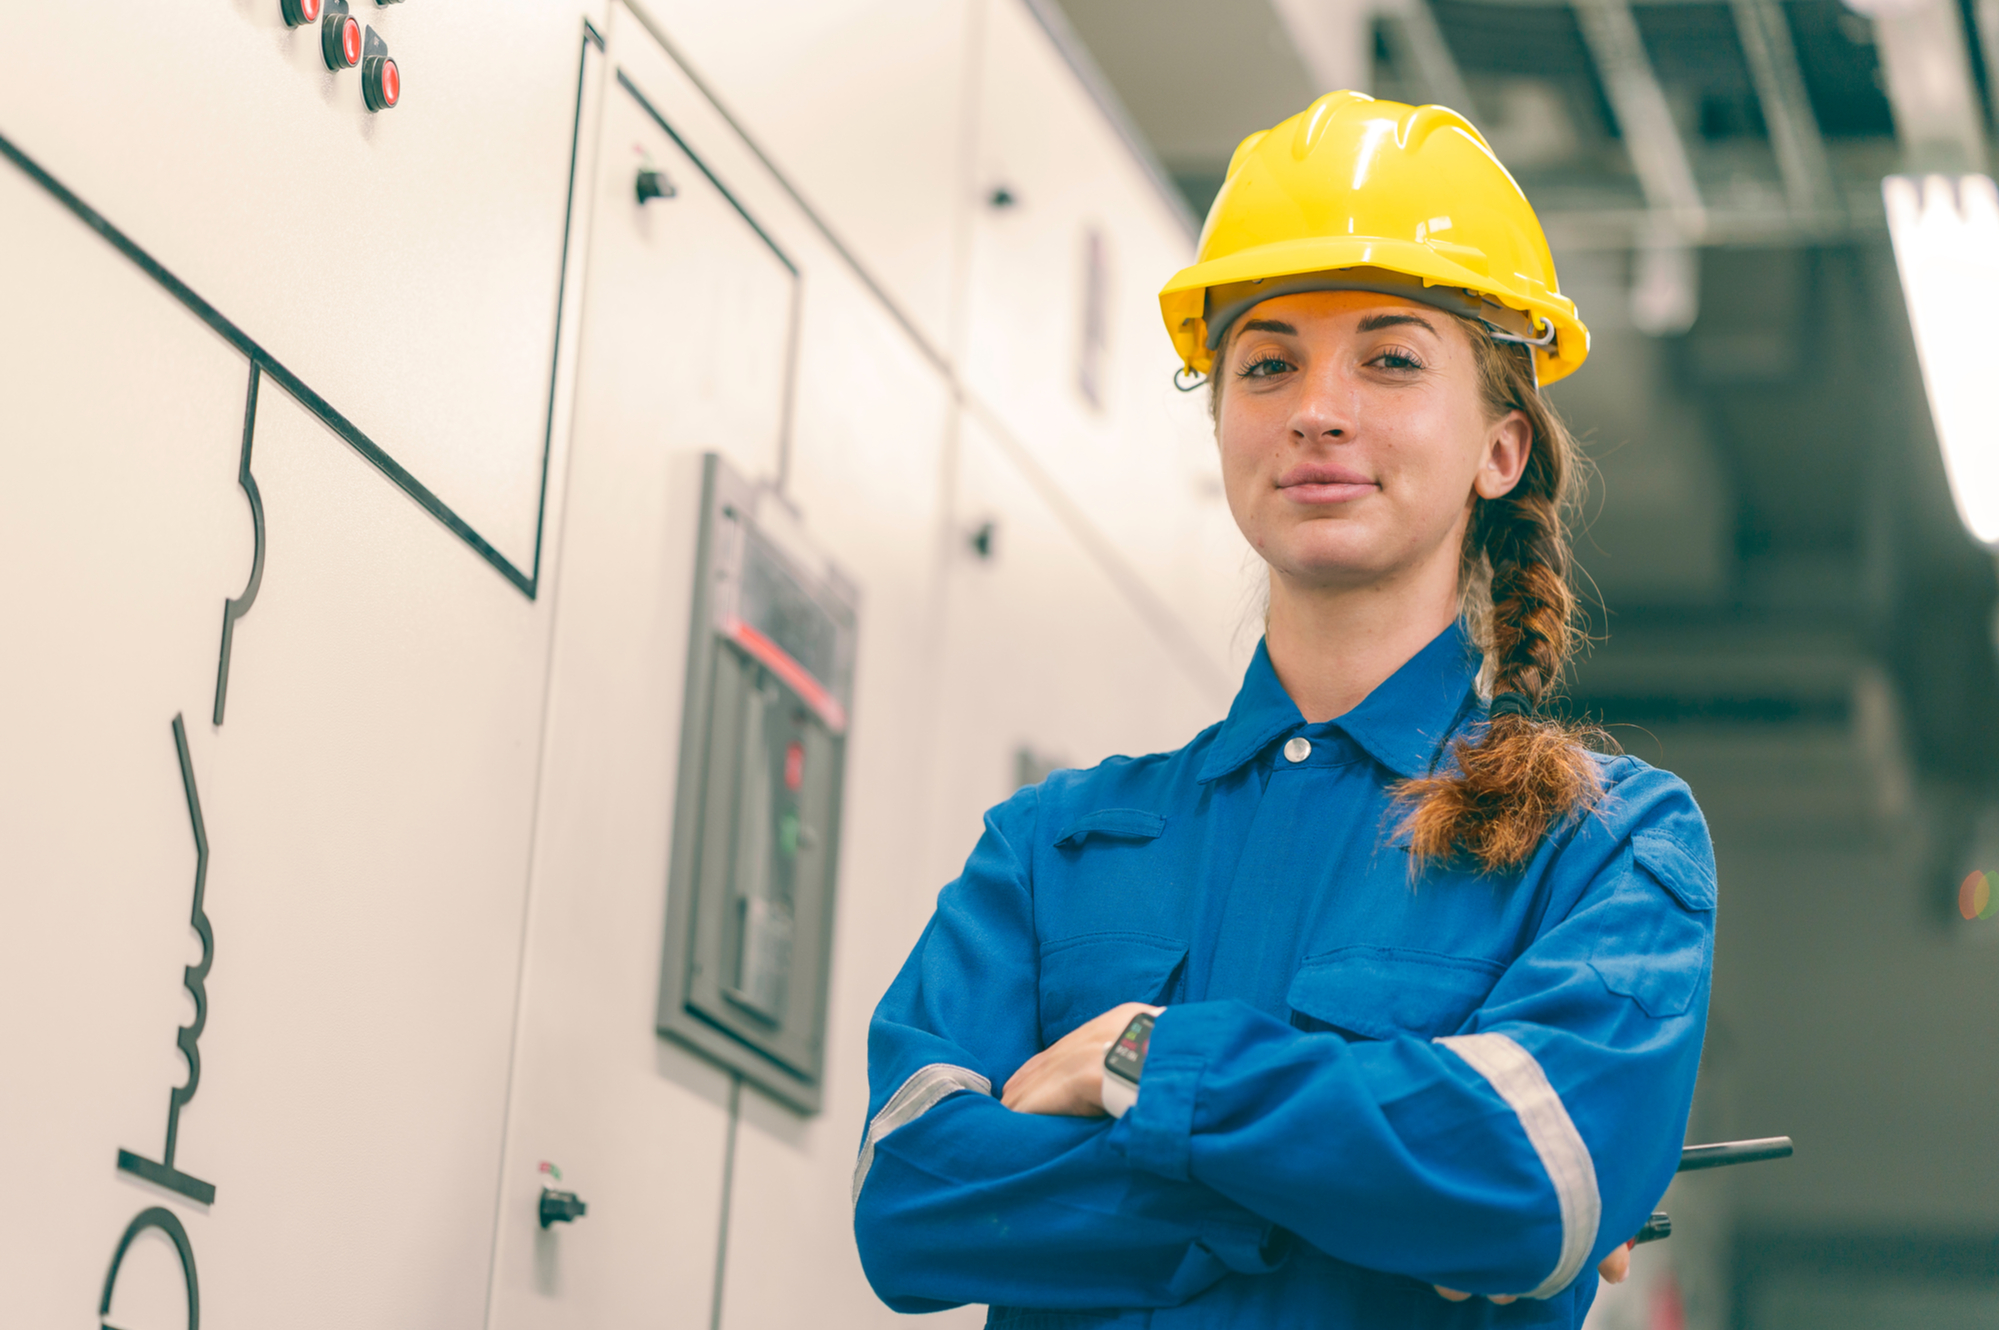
1119 823
1691 881
1084 977
1383 992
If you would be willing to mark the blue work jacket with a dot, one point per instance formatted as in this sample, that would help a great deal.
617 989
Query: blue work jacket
1366 1080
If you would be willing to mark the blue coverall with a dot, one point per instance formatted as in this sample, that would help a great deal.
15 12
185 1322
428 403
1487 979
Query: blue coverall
1365 1082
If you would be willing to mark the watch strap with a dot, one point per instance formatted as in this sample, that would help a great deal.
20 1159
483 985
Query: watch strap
1118 1094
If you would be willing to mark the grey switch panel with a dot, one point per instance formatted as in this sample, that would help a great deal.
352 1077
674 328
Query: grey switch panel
757 814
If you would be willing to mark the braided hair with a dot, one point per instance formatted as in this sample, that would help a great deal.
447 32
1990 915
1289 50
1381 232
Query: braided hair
1520 773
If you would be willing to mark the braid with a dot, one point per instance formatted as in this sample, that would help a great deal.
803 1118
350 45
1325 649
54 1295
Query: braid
1522 772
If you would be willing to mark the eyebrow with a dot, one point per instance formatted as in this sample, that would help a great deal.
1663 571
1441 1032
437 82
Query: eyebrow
1270 325
1376 322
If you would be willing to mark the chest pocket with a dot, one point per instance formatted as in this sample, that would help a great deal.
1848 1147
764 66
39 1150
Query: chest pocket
1084 977
1384 992
1659 954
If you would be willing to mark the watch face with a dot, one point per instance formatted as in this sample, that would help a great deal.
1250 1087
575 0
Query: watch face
1127 1055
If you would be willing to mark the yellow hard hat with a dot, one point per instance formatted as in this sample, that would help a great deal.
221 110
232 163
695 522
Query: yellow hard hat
1358 194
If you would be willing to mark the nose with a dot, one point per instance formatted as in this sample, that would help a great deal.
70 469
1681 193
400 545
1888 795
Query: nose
1325 411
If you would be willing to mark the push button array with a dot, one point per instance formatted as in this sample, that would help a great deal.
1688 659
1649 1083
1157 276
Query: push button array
343 45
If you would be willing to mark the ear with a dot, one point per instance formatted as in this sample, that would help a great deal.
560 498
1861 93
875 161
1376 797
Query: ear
1508 444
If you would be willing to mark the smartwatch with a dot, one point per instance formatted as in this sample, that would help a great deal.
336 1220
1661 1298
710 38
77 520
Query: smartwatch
1123 1062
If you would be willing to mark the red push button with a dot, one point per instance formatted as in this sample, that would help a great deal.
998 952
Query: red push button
340 41
381 83
299 11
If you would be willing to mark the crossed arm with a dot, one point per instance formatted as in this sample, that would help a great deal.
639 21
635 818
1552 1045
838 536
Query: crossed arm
1066 1080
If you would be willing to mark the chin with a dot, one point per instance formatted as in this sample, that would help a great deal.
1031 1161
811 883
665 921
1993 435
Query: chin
1337 561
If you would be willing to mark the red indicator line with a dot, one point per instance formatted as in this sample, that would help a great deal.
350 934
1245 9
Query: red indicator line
800 680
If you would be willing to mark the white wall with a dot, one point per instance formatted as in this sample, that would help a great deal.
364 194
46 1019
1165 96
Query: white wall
439 807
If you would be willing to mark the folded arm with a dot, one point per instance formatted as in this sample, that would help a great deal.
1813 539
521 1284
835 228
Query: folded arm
959 1199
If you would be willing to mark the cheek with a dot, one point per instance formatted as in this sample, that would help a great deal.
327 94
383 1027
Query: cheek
1243 449
1433 457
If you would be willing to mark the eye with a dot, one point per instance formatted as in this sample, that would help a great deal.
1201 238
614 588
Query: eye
1264 367
1398 359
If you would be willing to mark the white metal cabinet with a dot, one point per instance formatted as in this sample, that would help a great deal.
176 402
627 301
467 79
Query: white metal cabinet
686 348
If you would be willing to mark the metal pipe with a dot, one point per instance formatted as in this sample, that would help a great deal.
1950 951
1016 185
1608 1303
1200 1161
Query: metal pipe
1696 1157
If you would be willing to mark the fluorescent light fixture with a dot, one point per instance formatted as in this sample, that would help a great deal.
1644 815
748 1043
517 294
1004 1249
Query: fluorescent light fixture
1946 231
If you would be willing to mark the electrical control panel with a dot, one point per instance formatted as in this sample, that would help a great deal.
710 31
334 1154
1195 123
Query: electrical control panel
757 816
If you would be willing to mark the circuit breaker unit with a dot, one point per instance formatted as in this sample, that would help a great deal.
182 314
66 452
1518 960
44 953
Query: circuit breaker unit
757 814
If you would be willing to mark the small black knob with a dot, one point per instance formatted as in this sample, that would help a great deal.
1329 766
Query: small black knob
652 185
560 1207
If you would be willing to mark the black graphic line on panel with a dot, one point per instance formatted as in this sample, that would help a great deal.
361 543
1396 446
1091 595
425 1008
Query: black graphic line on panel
702 166
591 37
168 1223
238 606
195 978
349 433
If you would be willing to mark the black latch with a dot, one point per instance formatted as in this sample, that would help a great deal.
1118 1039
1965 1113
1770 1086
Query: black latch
652 184
559 1207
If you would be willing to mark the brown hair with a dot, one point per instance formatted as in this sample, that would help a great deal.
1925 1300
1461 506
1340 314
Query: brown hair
1517 775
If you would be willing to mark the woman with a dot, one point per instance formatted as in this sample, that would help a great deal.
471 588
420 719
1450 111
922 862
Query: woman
1385 991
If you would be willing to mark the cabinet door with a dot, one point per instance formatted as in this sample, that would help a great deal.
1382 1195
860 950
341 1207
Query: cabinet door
1065 346
687 347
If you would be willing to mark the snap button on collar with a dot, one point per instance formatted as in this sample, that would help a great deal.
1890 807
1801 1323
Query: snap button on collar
1298 749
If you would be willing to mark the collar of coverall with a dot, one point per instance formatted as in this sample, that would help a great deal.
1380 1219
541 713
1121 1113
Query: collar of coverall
1403 724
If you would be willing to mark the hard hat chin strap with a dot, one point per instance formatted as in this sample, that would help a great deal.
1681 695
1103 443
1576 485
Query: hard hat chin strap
1187 378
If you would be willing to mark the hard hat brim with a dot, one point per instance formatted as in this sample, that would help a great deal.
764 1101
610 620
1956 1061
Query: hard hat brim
1183 301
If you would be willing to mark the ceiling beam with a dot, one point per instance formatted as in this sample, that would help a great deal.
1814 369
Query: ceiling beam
1652 140
1788 113
1928 67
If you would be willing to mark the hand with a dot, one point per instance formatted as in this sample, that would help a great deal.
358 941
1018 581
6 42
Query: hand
1066 1079
1613 1268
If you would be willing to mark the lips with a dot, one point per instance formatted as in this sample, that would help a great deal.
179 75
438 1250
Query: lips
1319 482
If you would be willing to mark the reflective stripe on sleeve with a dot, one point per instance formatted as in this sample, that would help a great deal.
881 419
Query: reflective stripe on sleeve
1517 1078
913 1098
